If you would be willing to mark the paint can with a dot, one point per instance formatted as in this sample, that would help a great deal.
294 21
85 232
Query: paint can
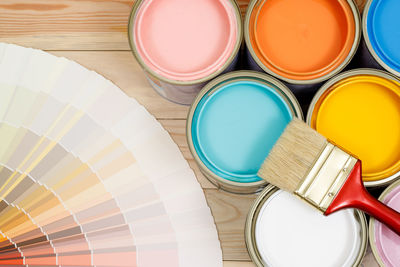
380 46
360 111
302 42
183 44
232 125
281 230
385 243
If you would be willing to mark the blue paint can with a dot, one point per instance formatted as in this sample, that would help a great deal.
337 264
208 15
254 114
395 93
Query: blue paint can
232 125
381 24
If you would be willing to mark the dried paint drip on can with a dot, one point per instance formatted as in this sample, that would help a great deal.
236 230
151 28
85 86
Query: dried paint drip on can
360 111
281 230
385 243
182 44
302 41
232 125
381 33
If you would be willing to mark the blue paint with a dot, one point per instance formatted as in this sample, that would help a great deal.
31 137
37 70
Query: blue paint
234 128
383 27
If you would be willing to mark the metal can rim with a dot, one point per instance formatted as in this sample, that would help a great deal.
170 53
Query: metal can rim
152 73
368 41
253 214
357 38
372 222
211 87
344 75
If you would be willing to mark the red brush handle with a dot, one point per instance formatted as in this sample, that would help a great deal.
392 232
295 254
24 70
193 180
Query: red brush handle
354 195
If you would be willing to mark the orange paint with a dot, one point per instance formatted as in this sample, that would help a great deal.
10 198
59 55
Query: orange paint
302 39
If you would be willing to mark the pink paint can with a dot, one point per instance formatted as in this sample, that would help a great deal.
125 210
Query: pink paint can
183 44
385 244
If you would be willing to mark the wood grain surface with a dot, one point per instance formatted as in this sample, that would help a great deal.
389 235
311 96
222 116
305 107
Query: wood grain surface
66 24
71 24
94 33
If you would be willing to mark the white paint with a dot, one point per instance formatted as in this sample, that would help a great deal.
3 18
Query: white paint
291 233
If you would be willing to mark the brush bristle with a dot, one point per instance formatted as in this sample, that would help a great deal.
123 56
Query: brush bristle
291 158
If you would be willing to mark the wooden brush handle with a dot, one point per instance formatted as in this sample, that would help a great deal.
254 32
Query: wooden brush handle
354 195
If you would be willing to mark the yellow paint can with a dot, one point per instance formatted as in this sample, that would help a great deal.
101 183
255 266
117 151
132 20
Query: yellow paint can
359 110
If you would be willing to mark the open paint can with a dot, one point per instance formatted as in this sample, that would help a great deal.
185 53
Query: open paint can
282 230
385 244
182 44
381 35
301 42
232 125
359 110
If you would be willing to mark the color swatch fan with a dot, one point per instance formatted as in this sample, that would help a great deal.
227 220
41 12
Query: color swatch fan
88 177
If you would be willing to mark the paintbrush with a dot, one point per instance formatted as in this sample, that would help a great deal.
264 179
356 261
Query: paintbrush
306 164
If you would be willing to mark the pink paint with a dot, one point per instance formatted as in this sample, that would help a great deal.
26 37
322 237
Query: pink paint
185 40
387 242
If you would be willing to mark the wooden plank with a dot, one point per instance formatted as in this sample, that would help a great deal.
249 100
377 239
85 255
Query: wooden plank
230 212
361 4
243 6
122 68
369 259
238 264
66 24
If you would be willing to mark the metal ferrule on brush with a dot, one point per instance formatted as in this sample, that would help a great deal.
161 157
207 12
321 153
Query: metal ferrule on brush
326 177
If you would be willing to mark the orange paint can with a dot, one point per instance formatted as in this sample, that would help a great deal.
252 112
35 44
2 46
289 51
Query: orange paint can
301 42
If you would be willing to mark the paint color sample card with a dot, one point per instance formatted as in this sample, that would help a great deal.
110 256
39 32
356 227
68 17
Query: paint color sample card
88 177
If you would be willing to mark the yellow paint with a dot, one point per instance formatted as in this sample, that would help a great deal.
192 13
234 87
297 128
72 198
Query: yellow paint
362 115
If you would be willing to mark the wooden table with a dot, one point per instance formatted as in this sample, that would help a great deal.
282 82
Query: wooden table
94 33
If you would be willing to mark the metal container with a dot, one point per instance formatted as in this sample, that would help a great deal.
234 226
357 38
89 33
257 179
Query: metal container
358 110
379 48
384 241
233 123
259 252
179 79
260 52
